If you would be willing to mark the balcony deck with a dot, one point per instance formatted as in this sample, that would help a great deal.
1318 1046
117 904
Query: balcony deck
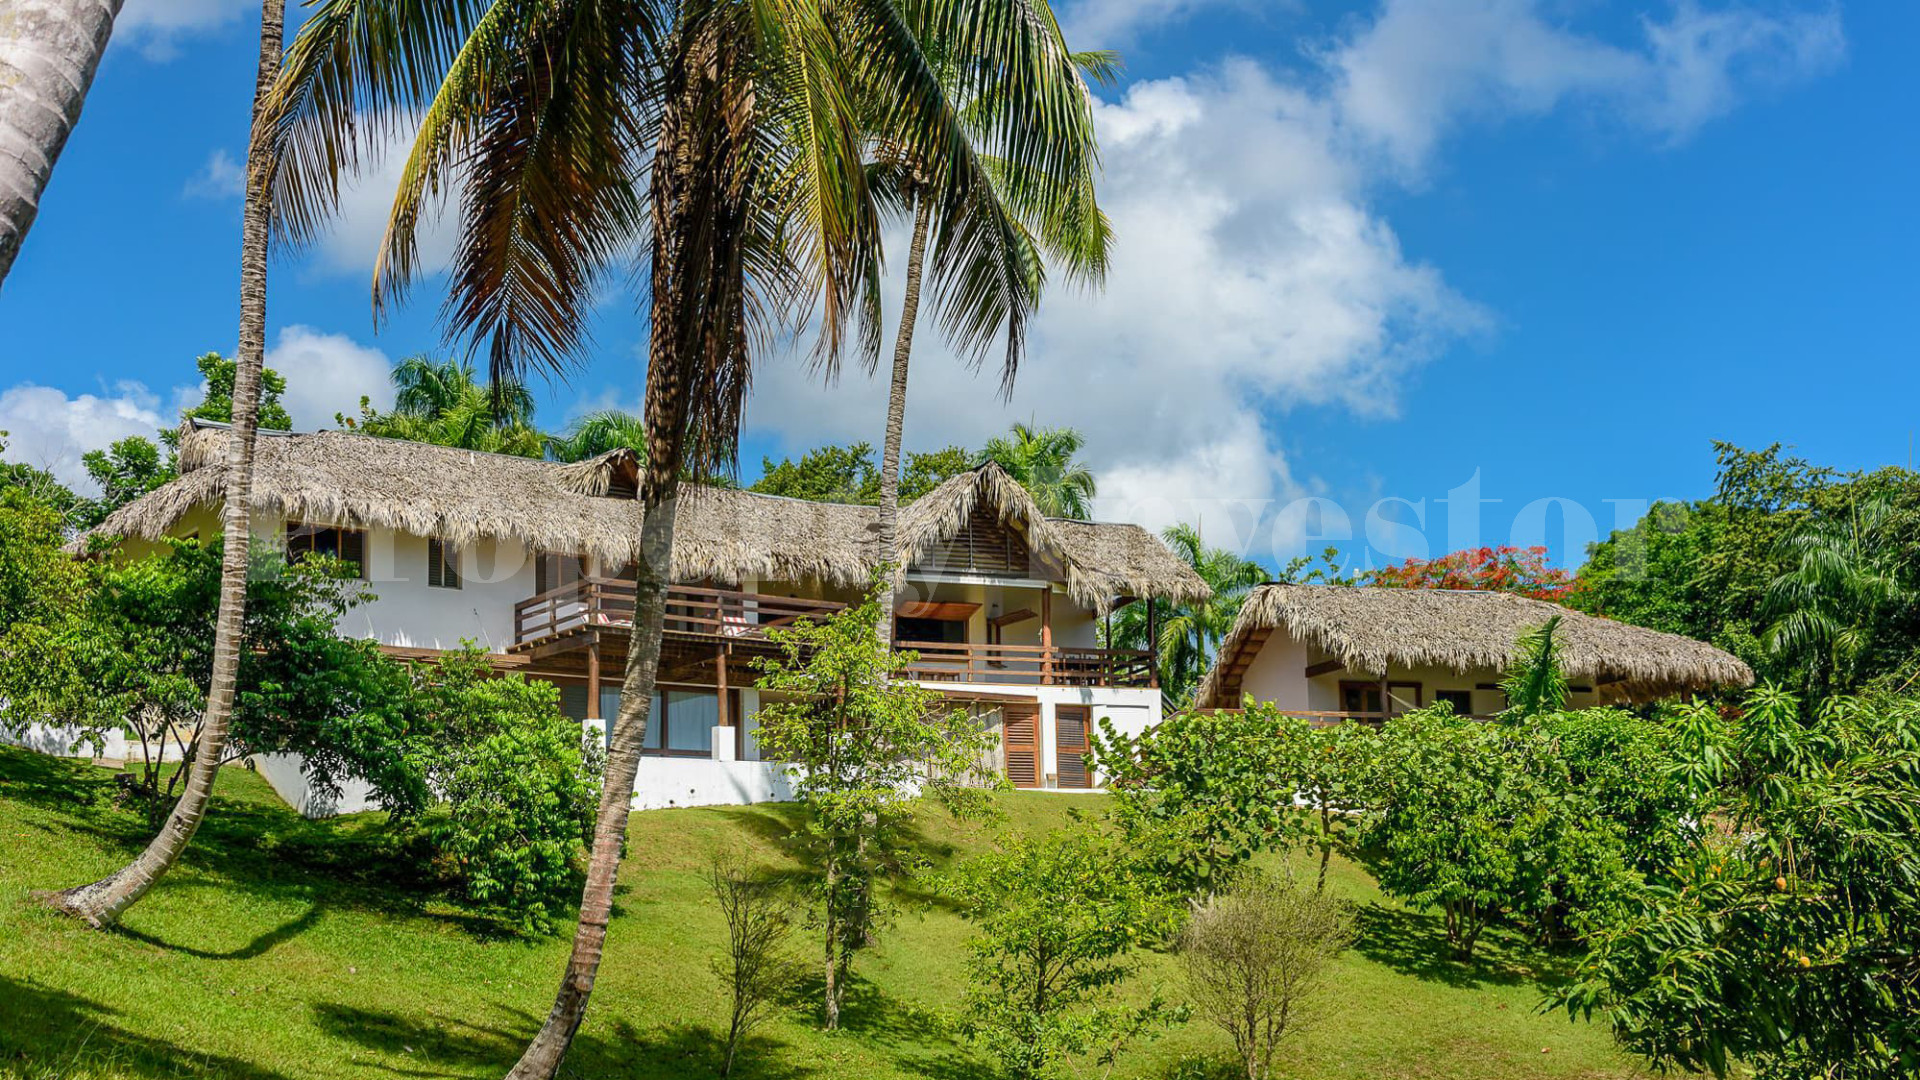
569 618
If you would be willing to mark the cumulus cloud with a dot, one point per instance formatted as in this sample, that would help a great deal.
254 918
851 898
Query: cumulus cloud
220 178
48 429
1250 276
1421 67
156 27
327 374
1253 272
352 245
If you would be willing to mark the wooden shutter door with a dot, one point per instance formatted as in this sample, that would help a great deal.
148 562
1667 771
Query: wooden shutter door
1070 744
1020 736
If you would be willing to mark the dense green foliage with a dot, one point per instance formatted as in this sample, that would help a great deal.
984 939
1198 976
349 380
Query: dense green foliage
444 402
847 474
520 793
1043 460
217 405
124 471
862 745
1787 936
1201 794
1059 921
1779 541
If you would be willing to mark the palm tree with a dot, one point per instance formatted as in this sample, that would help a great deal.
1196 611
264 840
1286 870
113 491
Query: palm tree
49 50
1843 572
1041 459
1188 636
987 251
598 433
718 136
443 402
103 902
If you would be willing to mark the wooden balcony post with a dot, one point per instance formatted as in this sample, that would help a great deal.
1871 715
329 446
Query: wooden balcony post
1046 636
1153 649
593 683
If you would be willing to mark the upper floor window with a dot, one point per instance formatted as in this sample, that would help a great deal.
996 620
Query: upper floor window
552 571
347 545
443 564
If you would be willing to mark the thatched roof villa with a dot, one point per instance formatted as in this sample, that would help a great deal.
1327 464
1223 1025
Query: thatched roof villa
532 560
1329 651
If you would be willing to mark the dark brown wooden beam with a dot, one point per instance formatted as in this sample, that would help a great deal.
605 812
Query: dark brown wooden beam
1324 667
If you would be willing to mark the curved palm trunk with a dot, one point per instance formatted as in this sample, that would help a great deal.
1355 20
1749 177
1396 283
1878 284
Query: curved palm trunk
897 410
666 409
49 50
103 902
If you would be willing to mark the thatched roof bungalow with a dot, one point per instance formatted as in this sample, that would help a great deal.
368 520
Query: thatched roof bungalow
722 535
1320 648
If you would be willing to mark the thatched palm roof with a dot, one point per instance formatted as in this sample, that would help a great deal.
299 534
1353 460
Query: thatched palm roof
726 535
1367 629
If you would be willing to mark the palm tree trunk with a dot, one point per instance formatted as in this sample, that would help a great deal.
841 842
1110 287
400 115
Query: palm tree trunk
897 412
49 50
103 902
666 409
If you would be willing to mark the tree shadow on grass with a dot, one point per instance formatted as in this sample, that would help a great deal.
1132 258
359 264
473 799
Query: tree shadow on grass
51 783
262 943
53 1033
1415 943
439 1045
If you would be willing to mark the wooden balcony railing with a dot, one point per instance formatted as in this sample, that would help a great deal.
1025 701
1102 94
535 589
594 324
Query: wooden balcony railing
1028 665
608 603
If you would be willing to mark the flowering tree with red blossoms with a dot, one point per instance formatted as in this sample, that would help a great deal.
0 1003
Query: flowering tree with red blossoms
1506 568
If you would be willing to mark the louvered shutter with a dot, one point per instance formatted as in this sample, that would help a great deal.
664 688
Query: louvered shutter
1020 736
443 564
1070 745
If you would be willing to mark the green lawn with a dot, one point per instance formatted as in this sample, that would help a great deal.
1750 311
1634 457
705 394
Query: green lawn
285 948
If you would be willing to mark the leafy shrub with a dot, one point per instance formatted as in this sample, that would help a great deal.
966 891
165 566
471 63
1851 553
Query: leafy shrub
520 794
1484 819
1787 936
1202 793
1255 957
1059 918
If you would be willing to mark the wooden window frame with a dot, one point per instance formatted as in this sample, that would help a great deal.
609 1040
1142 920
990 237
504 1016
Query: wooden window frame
964 625
443 564
1440 695
665 722
298 531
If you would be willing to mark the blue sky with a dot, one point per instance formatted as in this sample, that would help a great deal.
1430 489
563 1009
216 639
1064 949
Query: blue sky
1366 252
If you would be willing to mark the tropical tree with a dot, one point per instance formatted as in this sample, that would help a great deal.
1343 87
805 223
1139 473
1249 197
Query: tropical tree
598 433
49 50
1041 459
102 902
1842 572
443 402
721 137
1523 571
1189 634
987 266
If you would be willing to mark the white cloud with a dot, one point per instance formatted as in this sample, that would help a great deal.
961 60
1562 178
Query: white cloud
1252 273
220 178
1249 277
156 26
48 429
1422 67
353 243
327 374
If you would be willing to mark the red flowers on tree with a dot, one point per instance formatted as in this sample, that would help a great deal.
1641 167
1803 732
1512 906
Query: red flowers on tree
1506 568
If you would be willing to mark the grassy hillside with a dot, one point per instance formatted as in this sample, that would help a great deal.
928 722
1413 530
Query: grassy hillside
286 948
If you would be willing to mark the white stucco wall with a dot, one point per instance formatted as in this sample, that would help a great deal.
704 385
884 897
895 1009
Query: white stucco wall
1278 676
406 611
